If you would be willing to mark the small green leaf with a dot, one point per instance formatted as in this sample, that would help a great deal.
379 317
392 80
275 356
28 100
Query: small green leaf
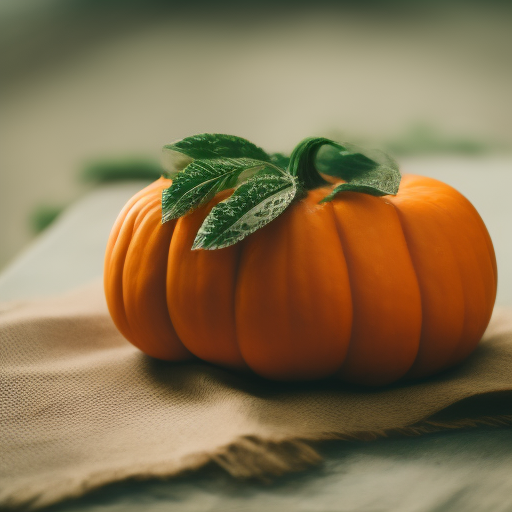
347 161
179 154
371 172
253 205
202 179
381 183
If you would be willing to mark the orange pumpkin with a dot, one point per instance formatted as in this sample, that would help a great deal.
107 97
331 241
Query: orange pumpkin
367 289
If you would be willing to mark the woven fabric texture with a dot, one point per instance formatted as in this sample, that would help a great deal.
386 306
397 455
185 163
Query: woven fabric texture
80 407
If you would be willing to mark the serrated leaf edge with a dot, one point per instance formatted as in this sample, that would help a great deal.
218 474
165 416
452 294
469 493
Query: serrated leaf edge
172 213
199 239
173 157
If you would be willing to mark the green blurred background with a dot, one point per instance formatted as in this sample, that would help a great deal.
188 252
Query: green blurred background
91 90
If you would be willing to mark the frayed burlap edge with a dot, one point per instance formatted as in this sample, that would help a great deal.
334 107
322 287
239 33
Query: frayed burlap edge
249 457
252 457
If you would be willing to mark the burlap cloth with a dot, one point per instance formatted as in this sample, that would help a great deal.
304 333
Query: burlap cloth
80 407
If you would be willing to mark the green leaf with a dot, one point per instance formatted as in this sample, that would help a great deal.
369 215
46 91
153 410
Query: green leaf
382 185
44 215
134 168
371 172
347 161
265 185
179 154
254 204
202 179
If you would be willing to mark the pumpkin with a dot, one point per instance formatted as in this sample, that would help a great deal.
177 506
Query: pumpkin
362 288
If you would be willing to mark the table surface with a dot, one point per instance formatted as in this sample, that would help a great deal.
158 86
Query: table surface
450 471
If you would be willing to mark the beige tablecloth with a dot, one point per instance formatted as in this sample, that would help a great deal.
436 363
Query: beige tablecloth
80 407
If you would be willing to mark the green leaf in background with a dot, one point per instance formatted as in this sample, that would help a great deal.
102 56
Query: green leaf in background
44 215
179 154
202 179
135 168
254 204
424 139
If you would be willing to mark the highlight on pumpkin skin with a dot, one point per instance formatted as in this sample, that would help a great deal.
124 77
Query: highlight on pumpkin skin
475 262
369 289
134 278
459 284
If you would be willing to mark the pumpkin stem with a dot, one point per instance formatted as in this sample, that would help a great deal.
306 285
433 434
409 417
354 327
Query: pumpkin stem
302 162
